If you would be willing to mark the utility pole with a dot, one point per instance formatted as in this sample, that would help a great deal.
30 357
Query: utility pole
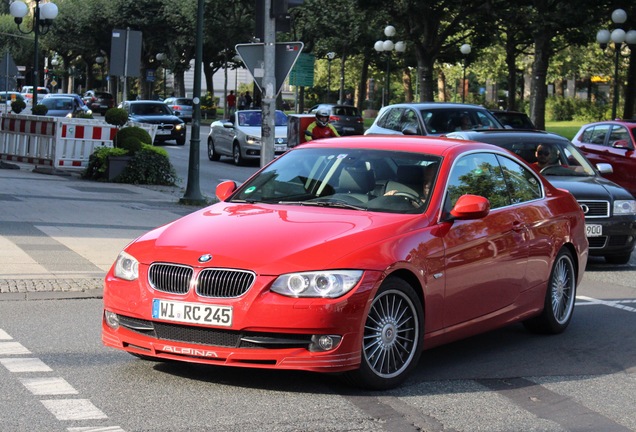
269 86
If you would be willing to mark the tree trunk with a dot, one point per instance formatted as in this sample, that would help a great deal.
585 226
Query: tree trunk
630 90
511 66
539 92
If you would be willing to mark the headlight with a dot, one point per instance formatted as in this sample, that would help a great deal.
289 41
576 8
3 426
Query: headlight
126 267
624 207
252 140
179 126
326 284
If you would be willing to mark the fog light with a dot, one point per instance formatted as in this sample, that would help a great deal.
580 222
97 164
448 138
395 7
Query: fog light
112 320
324 342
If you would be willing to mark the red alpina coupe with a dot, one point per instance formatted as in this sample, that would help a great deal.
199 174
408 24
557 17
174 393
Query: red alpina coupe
352 255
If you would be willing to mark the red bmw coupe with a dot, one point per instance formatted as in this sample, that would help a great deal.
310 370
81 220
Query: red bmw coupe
352 255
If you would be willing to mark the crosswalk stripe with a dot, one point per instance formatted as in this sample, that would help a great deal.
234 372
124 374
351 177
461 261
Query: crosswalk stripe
10 348
73 409
48 386
25 365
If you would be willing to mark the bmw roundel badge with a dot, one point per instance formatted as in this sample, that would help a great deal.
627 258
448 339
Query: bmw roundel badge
205 258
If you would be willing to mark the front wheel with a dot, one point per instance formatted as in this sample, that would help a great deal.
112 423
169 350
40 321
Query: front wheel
236 155
559 298
212 155
181 141
393 337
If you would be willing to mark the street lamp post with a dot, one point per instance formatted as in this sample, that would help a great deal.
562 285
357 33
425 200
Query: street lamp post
465 49
618 36
388 46
42 19
330 56
161 57
100 61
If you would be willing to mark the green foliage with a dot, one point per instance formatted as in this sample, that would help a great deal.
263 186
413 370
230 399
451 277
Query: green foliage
150 165
17 106
209 102
116 116
84 115
132 138
98 163
566 109
39 109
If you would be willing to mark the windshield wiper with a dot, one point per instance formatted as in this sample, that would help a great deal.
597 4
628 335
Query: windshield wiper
336 204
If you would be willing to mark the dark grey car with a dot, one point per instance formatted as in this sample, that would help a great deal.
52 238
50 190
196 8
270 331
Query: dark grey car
345 118
431 118
169 126
610 210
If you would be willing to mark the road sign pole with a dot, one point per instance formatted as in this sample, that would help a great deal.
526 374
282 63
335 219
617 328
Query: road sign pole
269 86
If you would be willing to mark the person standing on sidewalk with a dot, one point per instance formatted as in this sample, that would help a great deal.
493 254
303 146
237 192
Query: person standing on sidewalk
231 103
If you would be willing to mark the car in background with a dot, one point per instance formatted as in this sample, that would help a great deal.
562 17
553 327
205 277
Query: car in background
182 107
334 259
240 136
345 118
64 105
610 210
27 92
98 101
612 142
169 126
514 119
7 98
431 118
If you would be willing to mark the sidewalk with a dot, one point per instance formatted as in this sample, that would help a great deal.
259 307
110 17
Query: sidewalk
59 235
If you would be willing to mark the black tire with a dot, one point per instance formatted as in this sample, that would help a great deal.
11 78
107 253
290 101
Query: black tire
618 259
181 141
212 155
559 297
236 154
393 337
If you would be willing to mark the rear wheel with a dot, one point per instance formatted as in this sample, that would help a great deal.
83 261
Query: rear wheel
212 155
236 154
559 298
392 339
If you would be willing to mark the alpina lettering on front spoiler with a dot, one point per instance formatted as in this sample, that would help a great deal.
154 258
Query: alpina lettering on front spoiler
189 351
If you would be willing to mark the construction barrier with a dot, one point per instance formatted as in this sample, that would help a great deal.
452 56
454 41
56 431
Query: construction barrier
56 142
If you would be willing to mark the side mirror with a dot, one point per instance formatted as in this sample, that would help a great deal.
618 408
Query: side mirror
228 125
409 130
604 168
471 207
225 189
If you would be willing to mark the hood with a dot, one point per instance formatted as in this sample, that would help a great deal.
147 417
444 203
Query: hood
590 188
272 239
255 131
157 119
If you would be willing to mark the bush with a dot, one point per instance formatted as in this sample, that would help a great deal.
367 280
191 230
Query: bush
150 165
84 115
97 168
116 116
39 109
132 138
17 106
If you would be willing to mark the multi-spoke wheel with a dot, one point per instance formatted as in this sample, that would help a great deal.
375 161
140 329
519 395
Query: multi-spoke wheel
559 299
212 154
392 340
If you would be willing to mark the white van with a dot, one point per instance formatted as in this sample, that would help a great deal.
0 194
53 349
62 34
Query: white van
27 92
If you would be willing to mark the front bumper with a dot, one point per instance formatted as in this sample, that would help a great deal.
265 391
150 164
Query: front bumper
618 236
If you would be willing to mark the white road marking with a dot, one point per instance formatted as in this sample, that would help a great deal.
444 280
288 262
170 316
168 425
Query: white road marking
10 348
73 409
4 335
618 304
48 386
25 365
96 429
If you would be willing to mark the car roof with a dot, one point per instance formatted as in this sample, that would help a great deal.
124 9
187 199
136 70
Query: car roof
425 105
499 135
624 122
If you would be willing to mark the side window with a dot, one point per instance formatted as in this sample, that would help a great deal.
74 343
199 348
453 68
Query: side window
409 119
478 174
619 133
596 134
393 119
522 184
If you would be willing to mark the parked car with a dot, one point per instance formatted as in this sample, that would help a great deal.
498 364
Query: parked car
64 105
333 259
7 97
182 107
611 142
240 136
431 118
345 118
169 126
514 119
27 92
98 101
610 210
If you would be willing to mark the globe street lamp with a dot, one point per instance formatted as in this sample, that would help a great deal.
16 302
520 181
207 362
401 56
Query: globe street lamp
42 19
161 57
618 36
465 49
100 61
330 56
388 46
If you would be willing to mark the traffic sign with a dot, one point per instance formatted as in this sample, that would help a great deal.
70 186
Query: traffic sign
302 74
253 56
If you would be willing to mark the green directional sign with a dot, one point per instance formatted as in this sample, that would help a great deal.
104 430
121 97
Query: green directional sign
302 74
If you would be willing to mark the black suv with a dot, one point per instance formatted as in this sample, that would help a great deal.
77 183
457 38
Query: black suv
169 126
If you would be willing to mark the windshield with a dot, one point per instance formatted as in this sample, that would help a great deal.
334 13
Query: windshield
58 103
150 109
442 121
373 180
567 159
254 118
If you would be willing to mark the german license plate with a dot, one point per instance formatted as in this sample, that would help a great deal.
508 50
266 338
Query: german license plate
163 132
348 129
593 230
195 313
280 148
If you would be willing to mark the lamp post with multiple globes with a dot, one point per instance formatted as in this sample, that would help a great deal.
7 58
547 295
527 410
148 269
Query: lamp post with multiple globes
43 17
387 47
